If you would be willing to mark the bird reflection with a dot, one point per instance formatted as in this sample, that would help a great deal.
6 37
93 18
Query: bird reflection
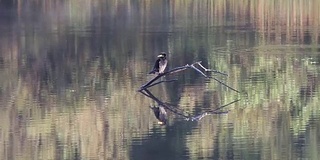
160 113
160 64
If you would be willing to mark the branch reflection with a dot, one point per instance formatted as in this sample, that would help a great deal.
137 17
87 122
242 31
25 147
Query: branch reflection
161 113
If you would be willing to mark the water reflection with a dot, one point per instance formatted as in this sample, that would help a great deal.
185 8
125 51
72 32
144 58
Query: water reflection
70 70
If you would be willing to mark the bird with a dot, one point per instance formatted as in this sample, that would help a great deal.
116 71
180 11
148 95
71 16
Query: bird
161 114
160 64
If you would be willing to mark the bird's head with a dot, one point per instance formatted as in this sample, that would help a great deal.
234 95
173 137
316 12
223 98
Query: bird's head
162 55
161 123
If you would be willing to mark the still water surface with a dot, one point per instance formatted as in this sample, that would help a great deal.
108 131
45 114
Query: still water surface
70 71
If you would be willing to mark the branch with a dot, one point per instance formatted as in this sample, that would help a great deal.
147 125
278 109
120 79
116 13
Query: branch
182 68
151 81
174 70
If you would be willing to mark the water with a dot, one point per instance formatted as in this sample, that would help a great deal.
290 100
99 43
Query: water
70 72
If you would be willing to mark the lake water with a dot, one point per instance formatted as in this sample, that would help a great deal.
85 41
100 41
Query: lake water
70 72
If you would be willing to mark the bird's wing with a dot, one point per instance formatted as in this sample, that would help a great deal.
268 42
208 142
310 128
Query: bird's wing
155 67
156 111
162 114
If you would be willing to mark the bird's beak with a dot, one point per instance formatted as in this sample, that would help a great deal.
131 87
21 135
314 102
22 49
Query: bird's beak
160 56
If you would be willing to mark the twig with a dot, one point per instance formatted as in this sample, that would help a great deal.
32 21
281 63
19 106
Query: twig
199 63
224 84
216 71
211 70
193 67
219 108
178 70
197 118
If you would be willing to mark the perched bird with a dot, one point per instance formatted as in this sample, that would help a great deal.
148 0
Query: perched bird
161 114
160 65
